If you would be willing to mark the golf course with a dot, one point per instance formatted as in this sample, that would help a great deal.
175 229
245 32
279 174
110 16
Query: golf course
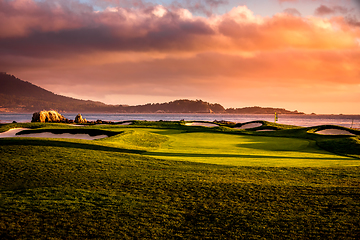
179 180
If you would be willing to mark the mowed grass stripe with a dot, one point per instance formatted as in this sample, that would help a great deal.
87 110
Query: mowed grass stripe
230 149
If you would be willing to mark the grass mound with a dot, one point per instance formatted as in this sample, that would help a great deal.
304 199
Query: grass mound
349 146
138 139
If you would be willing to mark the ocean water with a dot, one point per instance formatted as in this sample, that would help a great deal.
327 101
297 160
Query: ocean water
298 120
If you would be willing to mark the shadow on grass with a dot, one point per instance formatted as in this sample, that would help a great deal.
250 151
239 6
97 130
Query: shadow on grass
66 144
206 155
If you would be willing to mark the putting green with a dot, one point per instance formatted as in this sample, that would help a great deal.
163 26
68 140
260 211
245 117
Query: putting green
230 149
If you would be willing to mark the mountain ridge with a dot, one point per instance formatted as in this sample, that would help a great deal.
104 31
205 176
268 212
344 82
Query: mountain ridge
17 95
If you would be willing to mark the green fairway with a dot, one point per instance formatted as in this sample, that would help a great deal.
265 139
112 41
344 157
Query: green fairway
230 149
169 181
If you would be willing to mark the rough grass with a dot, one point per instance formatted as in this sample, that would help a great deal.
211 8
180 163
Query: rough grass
111 188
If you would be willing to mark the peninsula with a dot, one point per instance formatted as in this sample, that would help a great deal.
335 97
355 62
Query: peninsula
21 96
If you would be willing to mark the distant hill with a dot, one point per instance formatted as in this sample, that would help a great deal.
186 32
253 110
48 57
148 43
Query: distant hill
17 95
260 110
177 106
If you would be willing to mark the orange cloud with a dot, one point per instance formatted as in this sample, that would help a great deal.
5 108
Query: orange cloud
33 28
157 51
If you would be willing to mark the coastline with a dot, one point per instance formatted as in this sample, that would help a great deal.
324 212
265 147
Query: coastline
304 120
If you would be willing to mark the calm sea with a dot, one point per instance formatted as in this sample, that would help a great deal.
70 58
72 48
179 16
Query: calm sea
298 120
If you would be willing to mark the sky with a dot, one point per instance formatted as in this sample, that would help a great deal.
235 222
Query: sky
296 54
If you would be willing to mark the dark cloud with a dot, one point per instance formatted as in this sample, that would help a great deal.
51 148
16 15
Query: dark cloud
121 3
292 11
40 33
357 5
216 3
180 35
206 7
353 21
325 10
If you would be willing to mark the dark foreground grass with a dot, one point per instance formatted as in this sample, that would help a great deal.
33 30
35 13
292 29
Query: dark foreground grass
50 192
78 189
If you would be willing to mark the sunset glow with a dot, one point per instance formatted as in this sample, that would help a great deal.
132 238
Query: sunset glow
302 55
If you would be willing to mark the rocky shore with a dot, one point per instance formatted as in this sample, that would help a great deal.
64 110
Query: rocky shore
55 117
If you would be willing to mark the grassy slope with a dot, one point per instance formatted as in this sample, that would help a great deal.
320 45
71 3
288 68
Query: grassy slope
110 188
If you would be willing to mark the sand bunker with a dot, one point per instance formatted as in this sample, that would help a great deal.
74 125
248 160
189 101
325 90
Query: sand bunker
332 131
125 123
202 124
12 133
266 130
249 125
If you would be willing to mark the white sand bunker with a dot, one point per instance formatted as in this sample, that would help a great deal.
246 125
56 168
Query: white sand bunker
332 131
12 133
249 125
202 124
126 123
266 130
